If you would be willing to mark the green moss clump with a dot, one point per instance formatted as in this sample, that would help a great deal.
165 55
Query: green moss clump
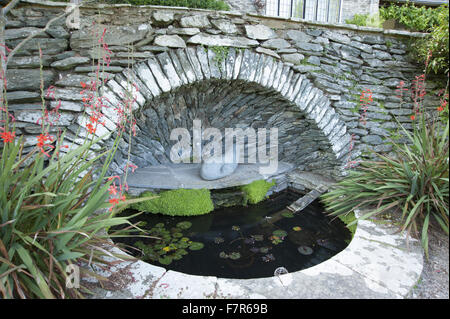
178 202
256 191
347 219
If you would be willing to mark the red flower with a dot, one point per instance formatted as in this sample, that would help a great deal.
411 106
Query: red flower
93 119
42 139
8 137
440 108
366 96
112 189
413 117
114 201
91 128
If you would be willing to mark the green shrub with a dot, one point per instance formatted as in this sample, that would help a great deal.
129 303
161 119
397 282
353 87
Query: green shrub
436 43
256 191
415 182
414 18
179 202
201 4
366 20
435 21
358 19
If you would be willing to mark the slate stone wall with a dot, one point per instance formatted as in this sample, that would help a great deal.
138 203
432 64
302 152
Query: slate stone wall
336 63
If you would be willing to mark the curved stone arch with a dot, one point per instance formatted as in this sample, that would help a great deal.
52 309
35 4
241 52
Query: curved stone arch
174 69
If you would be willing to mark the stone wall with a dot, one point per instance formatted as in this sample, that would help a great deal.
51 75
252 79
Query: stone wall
326 66
246 6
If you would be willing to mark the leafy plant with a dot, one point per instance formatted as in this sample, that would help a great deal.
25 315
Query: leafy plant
366 20
414 181
54 205
433 50
51 219
413 17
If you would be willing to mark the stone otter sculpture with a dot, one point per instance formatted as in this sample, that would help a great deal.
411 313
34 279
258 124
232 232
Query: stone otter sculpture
211 170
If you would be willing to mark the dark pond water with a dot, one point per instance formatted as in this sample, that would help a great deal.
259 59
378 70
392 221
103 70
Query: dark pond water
241 242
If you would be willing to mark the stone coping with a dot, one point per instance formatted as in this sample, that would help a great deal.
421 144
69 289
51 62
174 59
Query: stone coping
376 264
237 13
174 176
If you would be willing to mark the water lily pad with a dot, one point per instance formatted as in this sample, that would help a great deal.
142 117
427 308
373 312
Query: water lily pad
287 214
258 237
296 228
196 245
182 244
234 255
177 257
279 233
305 250
235 228
264 250
167 260
218 240
184 225
276 240
177 235
223 255
159 225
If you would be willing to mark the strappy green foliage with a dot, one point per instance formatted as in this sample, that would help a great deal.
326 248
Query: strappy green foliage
414 182
51 218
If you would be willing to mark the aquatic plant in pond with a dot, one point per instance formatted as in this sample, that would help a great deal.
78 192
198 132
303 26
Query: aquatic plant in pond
170 244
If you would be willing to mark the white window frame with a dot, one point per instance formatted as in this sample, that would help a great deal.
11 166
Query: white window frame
277 4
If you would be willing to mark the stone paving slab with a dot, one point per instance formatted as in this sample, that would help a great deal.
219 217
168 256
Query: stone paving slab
175 176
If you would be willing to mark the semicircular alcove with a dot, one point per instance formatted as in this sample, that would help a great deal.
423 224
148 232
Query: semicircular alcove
235 89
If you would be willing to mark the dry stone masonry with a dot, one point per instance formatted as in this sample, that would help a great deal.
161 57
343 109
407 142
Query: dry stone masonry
228 69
